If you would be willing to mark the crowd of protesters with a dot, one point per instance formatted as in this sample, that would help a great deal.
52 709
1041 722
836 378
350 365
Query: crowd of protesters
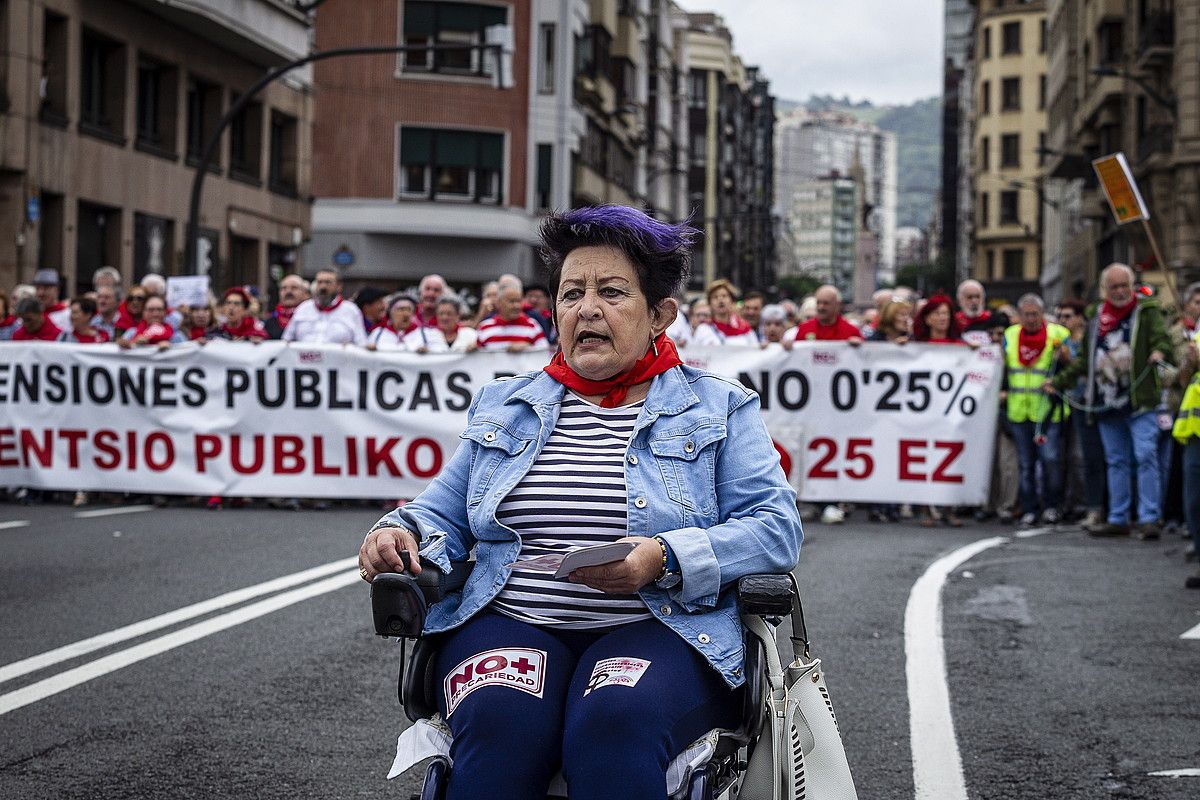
1096 424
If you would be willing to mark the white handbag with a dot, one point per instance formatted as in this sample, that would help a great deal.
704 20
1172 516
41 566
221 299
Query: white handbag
799 754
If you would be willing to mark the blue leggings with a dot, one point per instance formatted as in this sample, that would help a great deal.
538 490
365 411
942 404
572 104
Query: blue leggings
525 700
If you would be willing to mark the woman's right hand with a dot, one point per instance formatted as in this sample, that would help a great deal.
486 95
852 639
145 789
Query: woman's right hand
380 552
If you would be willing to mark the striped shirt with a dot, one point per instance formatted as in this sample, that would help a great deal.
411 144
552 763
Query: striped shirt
496 334
573 496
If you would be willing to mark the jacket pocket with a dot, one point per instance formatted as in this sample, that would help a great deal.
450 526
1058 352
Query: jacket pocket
495 445
687 461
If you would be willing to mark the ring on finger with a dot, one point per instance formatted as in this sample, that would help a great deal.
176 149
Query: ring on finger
362 571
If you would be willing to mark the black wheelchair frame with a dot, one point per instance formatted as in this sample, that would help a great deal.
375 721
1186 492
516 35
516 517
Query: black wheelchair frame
399 602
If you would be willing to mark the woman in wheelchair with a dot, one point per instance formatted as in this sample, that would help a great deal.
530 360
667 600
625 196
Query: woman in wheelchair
610 674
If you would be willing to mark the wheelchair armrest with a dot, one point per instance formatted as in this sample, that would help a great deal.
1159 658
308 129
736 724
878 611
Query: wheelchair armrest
765 595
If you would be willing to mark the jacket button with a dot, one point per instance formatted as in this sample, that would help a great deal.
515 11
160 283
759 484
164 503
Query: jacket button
666 610
640 502
703 638
490 436
689 447
633 459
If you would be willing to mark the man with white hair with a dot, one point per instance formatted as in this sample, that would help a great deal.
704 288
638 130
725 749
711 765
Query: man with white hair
979 325
1122 347
431 289
106 276
326 317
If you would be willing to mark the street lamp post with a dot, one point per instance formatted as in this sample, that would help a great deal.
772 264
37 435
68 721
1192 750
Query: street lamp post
214 140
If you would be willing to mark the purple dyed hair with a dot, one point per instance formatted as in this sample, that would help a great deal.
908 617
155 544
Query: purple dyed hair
661 253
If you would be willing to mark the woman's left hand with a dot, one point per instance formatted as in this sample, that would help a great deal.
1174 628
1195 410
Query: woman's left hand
639 568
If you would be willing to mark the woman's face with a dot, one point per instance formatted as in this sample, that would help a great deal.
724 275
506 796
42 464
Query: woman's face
136 304
773 330
939 321
201 317
235 310
721 302
402 313
902 324
80 319
447 317
603 322
156 311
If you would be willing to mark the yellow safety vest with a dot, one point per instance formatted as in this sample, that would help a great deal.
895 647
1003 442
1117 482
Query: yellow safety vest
1026 401
1187 424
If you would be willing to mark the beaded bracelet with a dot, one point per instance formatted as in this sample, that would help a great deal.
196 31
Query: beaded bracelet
663 570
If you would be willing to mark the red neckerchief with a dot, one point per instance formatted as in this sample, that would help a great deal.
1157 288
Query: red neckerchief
159 331
1111 316
248 327
125 320
9 320
943 340
197 332
59 306
423 321
735 327
337 301
616 388
97 337
964 321
1030 345
283 315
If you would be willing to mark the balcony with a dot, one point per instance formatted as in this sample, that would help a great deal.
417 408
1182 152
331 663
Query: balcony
266 32
1156 41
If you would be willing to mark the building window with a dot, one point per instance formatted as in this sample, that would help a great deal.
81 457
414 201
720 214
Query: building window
985 97
281 172
97 237
54 70
1010 94
698 88
1014 264
1109 43
1041 93
546 33
545 176
624 80
1041 151
991 264
1008 208
156 96
462 26
203 114
593 52
245 144
153 245
102 87
1010 36
987 41
985 217
1042 36
50 232
451 165
1010 151
985 154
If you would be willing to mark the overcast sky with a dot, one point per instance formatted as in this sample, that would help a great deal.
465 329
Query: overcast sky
886 51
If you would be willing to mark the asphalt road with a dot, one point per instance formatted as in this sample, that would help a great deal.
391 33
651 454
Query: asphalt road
1067 674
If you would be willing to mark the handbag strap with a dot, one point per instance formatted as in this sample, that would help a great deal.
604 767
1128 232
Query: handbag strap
799 635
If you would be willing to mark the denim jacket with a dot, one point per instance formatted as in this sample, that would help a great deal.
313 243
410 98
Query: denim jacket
700 471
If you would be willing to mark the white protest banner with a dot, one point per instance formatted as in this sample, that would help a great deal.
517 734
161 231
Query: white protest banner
876 423
187 290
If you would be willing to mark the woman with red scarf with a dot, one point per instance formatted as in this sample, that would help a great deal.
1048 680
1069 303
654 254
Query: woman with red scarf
614 441
152 330
240 325
200 322
935 324
726 327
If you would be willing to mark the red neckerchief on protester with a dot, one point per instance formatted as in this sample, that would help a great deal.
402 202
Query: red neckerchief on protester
735 327
197 332
59 306
96 337
616 388
1030 345
248 327
283 315
9 320
965 322
1111 316
337 301
125 320
158 331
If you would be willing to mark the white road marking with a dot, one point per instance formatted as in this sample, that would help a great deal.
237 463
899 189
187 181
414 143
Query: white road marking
1191 772
112 512
84 646
1031 532
937 765
14 523
123 658
1194 633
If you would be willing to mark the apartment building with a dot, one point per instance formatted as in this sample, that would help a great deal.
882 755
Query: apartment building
1123 78
956 198
108 106
1009 130
825 230
731 147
